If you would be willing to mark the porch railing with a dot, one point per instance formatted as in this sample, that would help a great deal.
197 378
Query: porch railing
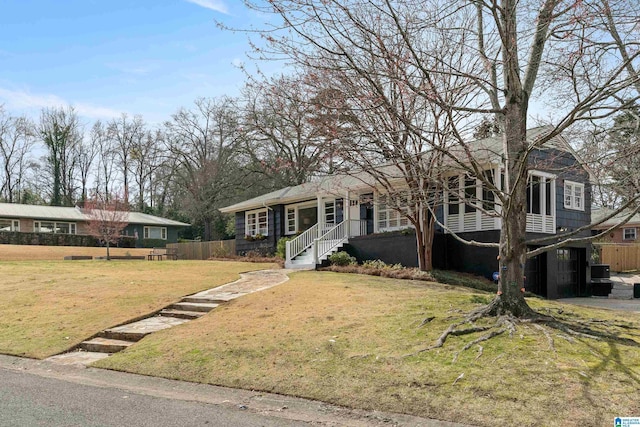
356 227
322 239
298 245
329 240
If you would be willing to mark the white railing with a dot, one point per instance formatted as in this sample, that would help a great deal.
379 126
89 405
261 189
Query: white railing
329 240
298 245
356 227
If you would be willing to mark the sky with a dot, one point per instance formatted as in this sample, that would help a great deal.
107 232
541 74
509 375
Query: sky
107 57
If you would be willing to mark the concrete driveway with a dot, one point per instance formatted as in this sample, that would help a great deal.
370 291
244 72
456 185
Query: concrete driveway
609 303
604 302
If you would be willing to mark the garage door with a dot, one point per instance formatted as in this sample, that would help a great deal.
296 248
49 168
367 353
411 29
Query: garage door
568 272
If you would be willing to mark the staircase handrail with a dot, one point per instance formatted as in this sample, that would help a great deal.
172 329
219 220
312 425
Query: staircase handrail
334 236
302 242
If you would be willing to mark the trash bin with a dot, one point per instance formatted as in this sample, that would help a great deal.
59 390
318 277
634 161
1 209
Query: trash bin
600 280
636 290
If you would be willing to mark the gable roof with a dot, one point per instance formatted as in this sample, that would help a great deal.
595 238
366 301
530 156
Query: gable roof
485 150
75 214
598 213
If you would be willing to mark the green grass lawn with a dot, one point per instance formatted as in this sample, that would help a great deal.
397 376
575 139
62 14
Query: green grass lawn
50 306
344 339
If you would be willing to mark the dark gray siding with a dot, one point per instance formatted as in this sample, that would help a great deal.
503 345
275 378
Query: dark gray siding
268 245
566 167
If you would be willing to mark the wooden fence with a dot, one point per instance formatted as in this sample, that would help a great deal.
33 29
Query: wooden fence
204 250
620 257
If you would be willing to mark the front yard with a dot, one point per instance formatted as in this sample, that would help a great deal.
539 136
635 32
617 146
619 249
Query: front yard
345 339
49 306
342 338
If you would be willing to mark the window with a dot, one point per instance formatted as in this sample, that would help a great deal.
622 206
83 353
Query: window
540 190
330 212
629 233
291 220
488 197
389 217
454 200
9 225
155 233
573 195
470 195
54 227
256 223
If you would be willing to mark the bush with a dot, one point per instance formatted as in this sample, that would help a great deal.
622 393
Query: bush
342 259
378 264
281 247
154 243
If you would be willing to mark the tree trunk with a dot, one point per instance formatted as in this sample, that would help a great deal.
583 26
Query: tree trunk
513 249
108 255
425 232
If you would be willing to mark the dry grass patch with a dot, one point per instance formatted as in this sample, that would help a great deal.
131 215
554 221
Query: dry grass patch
49 306
52 253
343 339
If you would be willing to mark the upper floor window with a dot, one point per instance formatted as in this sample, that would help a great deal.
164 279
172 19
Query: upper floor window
256 222
573 195
540 189
9 225
629 233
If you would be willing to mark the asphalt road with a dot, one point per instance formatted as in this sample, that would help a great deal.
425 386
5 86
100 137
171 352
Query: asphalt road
31 400
43 393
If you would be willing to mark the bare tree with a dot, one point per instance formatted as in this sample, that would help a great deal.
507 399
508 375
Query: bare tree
85 154
281 140
59 129
145 160
108 216
503 54
104 180
205 142
125 134
16 142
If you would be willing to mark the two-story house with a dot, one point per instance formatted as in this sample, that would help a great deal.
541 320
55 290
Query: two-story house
351 212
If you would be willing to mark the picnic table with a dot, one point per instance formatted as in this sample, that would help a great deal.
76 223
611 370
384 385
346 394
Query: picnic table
160 253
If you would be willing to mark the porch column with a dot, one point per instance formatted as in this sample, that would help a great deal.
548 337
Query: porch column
320 217
346 213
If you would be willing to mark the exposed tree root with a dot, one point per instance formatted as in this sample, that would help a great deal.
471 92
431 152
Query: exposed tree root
480 350
509 316
549 337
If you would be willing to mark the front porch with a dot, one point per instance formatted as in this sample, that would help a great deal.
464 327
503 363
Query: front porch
323 226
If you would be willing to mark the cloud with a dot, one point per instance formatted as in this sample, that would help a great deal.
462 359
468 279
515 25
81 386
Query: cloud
23 100
215 5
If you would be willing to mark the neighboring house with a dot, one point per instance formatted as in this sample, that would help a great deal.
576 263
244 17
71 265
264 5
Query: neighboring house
629 232
348 211
72 221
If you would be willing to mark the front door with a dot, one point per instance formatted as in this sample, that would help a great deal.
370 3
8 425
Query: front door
366 211
354 216
307 218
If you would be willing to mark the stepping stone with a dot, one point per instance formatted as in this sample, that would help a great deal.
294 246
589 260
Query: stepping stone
105 345
182 314
212 298
77 358
194 306
137 330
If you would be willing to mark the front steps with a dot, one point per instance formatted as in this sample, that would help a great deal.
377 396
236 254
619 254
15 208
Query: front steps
189 308
119 338
304 261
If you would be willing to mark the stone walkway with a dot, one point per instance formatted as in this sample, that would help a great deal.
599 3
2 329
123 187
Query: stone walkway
190 307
